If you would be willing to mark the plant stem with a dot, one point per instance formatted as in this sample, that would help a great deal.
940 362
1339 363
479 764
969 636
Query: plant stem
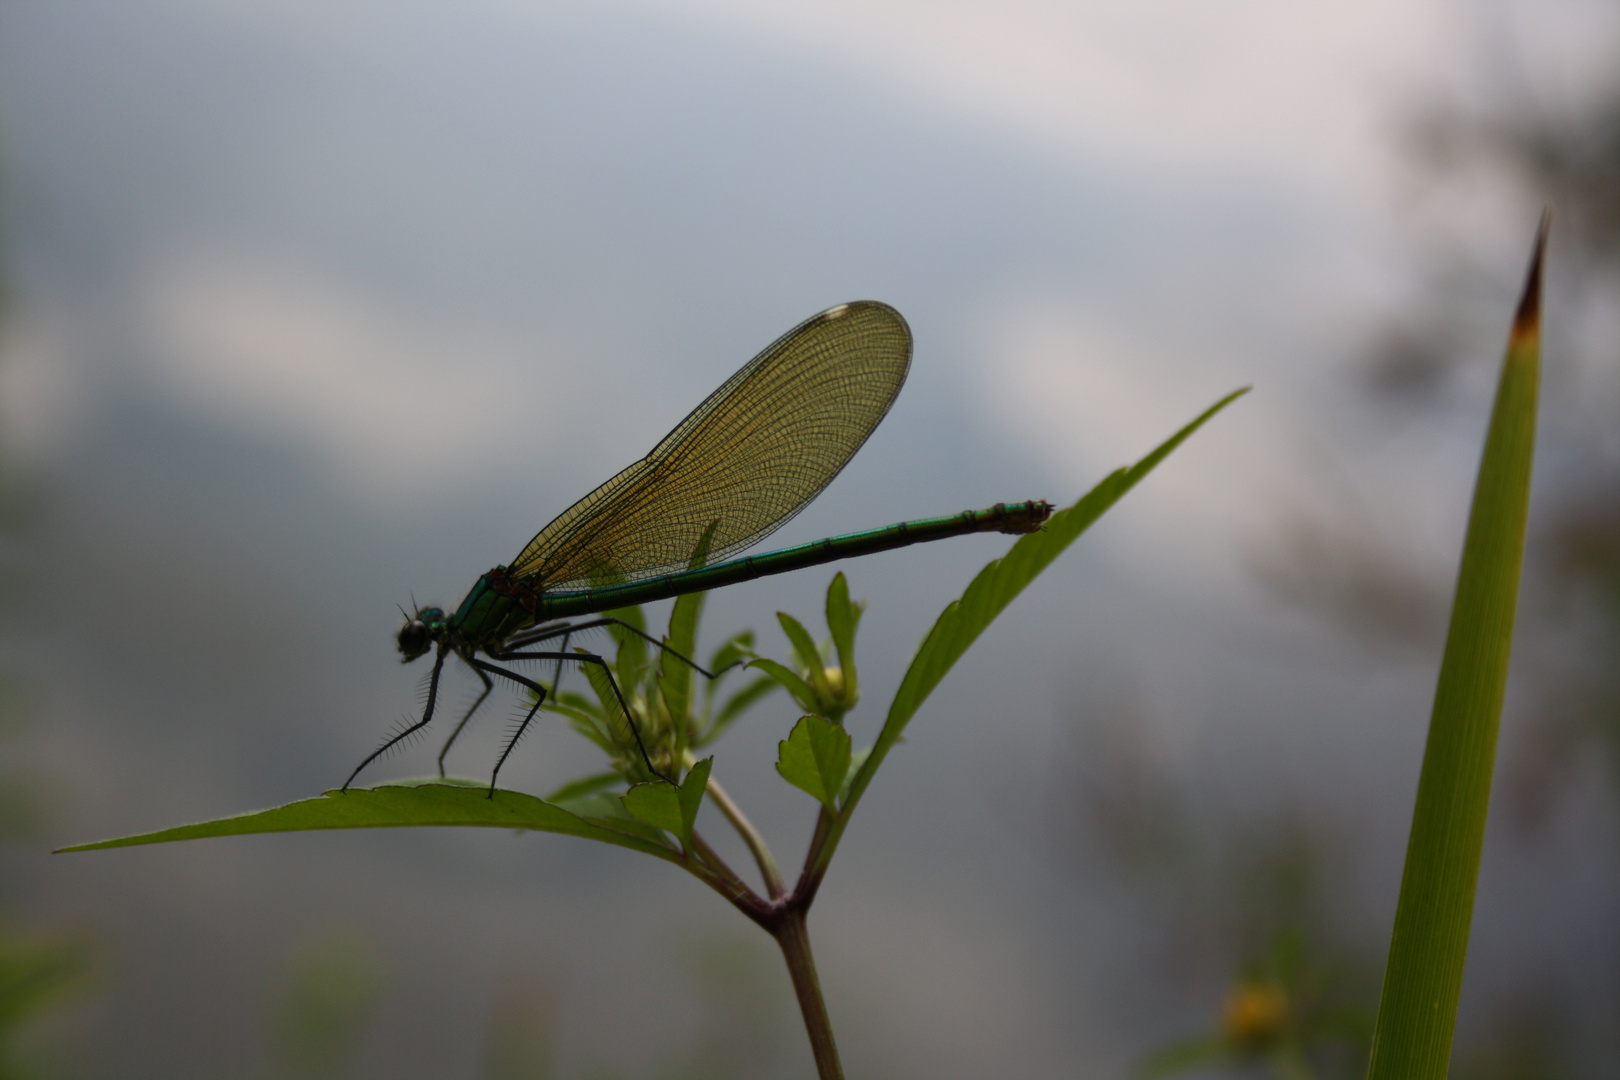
814 866
794 938
722 875
756 843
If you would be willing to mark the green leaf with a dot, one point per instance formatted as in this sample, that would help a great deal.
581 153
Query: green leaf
693 788
590 725
656 802
1429 945
739 646
606 809
815 758
584 786
737 704
573 699
790 681
394 806
670 807
842 619
631 659
963 620
683 623
614 721
700 554
675 675
804 647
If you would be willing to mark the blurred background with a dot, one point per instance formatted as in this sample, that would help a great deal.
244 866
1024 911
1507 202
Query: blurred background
313 309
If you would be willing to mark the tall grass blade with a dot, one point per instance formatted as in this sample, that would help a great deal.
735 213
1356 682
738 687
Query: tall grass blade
1418 1009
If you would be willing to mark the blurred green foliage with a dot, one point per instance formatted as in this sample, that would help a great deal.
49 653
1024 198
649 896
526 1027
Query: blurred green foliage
333 983
329 993
40 969
1242 911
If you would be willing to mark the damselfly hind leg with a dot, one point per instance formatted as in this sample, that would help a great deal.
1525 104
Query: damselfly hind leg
540 697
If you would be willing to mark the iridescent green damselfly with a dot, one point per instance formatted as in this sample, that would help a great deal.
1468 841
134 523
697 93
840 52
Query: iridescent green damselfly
738 468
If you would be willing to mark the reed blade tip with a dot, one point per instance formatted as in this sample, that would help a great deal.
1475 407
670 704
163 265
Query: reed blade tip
1527 320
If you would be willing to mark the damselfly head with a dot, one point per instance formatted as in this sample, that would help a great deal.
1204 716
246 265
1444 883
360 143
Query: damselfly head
416 636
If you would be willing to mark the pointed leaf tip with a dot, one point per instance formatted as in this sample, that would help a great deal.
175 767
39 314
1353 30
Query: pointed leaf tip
411 803
671 807
1527 320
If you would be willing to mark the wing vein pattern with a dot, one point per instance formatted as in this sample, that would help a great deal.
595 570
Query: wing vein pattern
745 461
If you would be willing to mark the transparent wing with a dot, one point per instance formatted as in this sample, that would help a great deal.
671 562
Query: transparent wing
744 462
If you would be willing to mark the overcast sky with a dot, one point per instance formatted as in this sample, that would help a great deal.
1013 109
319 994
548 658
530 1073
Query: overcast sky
321 307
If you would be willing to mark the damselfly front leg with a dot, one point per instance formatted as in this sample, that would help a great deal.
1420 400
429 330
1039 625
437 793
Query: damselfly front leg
466 716
512 649
427 717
